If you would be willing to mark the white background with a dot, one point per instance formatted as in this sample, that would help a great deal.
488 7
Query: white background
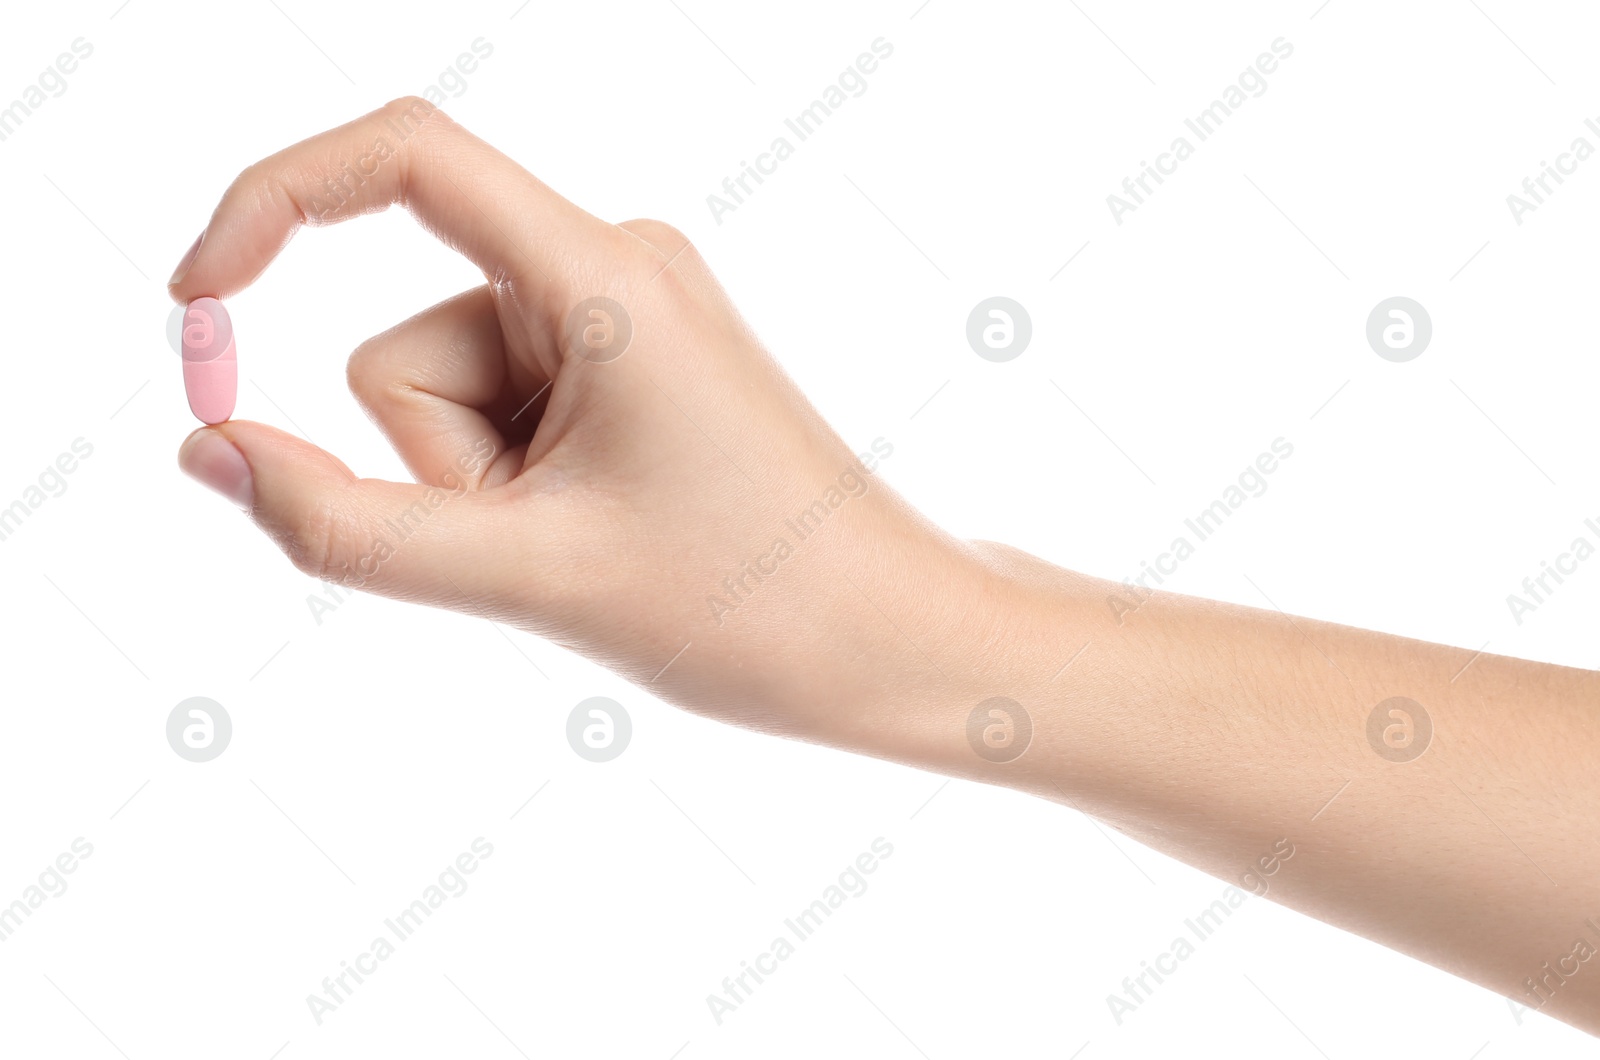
371 748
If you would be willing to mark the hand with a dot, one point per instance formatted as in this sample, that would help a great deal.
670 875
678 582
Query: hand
622 495
650 511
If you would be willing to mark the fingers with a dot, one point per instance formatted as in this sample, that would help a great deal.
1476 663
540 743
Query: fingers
471 196
441 387
441 545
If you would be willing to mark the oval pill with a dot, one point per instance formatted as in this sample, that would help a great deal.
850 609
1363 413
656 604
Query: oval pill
210 363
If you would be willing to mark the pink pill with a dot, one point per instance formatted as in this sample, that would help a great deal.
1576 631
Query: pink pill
210 364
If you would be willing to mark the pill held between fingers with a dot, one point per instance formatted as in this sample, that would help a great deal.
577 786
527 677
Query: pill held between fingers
210 364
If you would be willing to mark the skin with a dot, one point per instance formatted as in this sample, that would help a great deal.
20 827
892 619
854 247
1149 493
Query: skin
606 514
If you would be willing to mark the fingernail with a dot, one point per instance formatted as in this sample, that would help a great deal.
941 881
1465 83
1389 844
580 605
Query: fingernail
188 259
210 458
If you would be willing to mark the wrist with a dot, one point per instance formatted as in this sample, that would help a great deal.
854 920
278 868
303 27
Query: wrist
952 651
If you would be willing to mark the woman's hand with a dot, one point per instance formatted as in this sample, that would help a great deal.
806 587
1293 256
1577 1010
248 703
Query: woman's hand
604 454
676 510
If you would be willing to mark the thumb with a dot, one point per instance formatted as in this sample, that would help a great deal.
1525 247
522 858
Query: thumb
403 540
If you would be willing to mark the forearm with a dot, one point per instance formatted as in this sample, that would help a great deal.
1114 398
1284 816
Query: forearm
1223 735
661 498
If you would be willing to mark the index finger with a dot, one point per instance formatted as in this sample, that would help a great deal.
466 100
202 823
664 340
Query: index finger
473 198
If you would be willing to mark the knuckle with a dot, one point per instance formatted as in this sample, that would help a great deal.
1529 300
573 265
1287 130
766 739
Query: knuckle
664 237
357 373
378 381
409 108
361 374
252 188
247 177
403 128
661 259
